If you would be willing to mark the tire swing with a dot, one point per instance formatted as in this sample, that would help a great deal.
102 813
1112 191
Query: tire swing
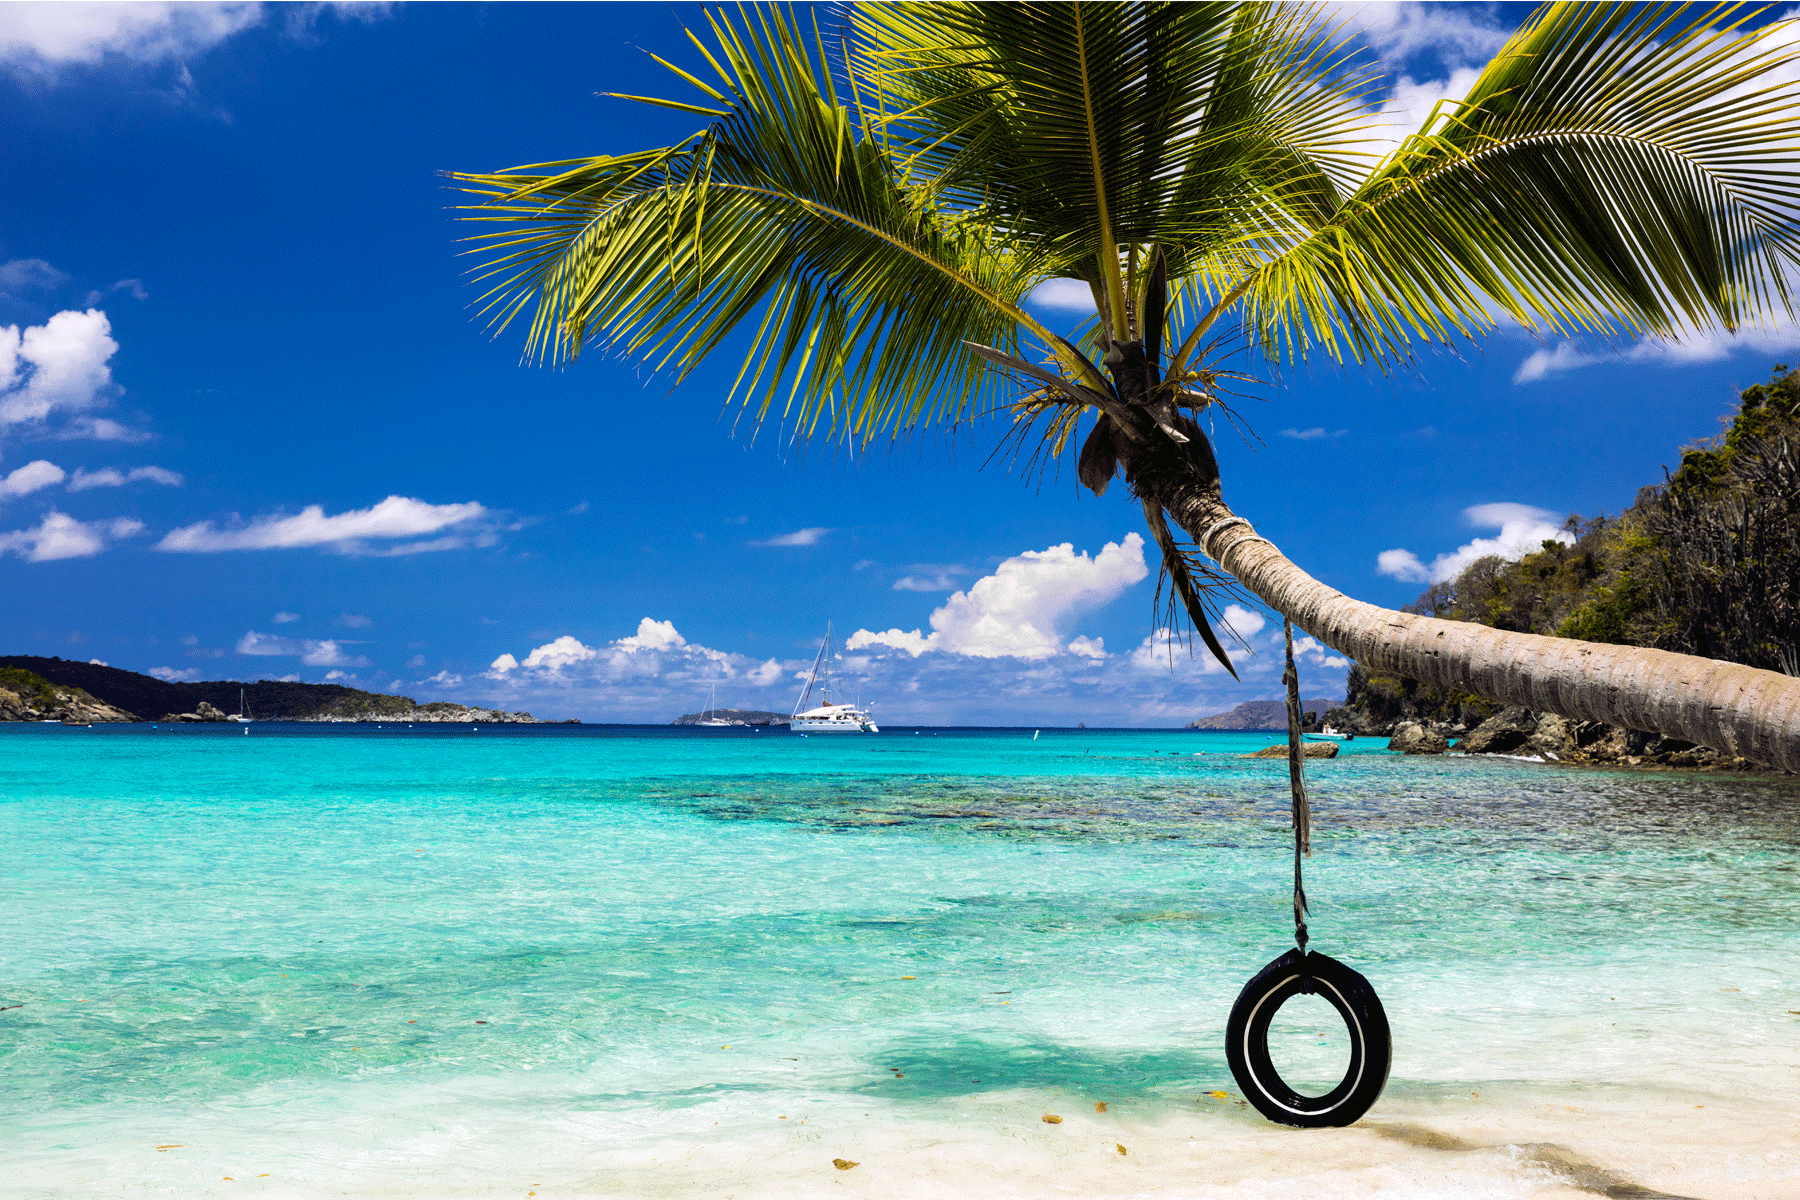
1301 973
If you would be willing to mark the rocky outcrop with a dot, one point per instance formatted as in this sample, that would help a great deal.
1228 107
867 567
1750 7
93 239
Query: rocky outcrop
1503 733
1308 750
203 714
1382 705
1555 738
1259 714
28 697
1410 737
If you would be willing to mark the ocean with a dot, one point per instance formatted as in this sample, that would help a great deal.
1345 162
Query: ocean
564 961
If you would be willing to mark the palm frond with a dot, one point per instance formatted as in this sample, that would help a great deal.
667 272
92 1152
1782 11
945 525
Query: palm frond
1616 166
1191 583
780 213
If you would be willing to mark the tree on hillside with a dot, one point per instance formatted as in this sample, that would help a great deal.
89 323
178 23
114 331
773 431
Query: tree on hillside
872 209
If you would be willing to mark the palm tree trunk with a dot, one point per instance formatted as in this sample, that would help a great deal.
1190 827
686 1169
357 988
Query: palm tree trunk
1732 708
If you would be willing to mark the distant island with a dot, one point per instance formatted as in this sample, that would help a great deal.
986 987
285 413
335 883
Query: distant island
48 689
746 716
1262 714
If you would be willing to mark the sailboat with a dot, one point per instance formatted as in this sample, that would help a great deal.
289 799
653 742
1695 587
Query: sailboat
243 712
827 717
710 716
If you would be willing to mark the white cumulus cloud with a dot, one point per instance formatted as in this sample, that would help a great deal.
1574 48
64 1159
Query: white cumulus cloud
1018 611
1245 622
653 635
1523 530
1067 295
59 535
31 477
638 675
57 366
38 37
394 517
171 675
1087 647
42 36
911 641
563 652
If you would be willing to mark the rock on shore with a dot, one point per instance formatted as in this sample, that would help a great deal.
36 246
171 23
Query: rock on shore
1554 738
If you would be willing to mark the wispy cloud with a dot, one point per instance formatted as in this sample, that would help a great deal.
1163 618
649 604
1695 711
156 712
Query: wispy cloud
800 537
326 653
1455 34
1313 434
21 278
930 577
1779 336
113 477
347 532
131 287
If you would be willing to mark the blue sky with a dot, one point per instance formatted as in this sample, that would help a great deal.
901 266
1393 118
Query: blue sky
251 428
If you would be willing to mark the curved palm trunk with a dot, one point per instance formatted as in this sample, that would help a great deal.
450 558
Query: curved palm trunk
1727 706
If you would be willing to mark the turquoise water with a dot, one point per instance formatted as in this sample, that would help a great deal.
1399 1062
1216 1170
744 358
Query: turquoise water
633 961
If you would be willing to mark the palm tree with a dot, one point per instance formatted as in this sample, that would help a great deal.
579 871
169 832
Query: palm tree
871 210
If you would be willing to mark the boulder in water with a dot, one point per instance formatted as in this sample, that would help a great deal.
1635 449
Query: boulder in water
1410 737
1308 750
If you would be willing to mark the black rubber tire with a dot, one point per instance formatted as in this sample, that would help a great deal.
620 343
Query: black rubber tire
1247 1041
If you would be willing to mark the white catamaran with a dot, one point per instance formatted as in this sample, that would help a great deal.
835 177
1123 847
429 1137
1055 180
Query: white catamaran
827 717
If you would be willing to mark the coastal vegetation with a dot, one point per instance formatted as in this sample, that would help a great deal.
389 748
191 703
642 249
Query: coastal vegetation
1705 563
27 696
873 211
146 698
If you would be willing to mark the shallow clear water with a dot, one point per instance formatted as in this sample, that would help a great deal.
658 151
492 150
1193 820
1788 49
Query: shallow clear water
643 961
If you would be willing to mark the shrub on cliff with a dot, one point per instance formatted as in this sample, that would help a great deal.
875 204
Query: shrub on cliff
1706 563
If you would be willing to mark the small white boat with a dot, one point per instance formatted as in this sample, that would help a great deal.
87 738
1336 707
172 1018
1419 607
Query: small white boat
710 717
828 717
243 712
1330 733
